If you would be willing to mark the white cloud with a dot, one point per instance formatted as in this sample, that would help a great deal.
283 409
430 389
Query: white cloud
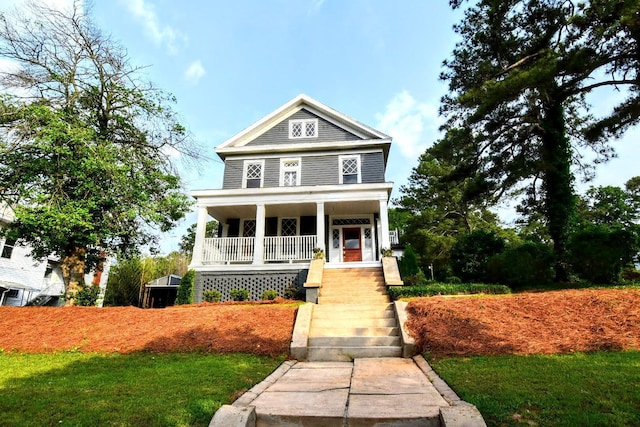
145 12
412 124
194 72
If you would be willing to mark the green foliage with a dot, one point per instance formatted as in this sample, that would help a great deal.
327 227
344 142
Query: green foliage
87 296
294 292
598 253
185 290
526 265
128 389
212 295
239 294
269 295
188 240
408 264
471 254
577 389
431 289
83 159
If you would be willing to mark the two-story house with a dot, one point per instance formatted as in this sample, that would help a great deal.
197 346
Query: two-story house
305 176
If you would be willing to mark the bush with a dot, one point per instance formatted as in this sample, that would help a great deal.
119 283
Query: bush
269 295
598 253
239 294
631 275
408 263
527 265
87 295
185 290
212 295
471 254
396 292
294 292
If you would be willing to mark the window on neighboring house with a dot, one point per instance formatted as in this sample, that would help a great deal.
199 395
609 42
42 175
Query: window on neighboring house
7 248
307 128
350 169
289 172
13 293
253 174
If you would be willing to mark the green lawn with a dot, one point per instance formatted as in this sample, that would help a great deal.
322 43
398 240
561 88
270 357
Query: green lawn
144 389
593 389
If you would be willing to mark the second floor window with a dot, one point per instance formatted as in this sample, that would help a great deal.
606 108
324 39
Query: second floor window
290 172
253 174
349 169
7 248
303 128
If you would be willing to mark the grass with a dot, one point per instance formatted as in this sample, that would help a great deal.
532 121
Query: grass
431 289
587 389
80 389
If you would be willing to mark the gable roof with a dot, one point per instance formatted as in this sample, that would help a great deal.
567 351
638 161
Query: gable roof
239 141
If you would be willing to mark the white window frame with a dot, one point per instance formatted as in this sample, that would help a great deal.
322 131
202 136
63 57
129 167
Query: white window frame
242 224
297 218
303 122
246 168
341 160
284 169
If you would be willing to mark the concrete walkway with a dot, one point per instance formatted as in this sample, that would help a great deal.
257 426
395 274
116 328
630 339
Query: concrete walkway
366 392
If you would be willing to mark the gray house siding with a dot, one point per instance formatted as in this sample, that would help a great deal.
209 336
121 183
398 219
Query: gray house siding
232 174
271 173
319 170
372 168
327 132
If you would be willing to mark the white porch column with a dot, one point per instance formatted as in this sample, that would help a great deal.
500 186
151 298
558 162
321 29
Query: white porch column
384 225
258 248
201 231
320 231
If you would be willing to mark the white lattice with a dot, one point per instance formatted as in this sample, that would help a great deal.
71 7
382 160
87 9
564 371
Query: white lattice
296 130
289 227
249 228
290 179
290 164
349 166
254 171
336 238
310 128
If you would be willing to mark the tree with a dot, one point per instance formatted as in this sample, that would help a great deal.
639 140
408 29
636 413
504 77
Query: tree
185 290
86 144
519 79
189 240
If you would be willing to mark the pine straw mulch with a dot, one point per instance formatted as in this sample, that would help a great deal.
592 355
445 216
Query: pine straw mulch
529 323
221 328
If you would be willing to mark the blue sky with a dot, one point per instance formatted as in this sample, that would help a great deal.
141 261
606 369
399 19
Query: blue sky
229 63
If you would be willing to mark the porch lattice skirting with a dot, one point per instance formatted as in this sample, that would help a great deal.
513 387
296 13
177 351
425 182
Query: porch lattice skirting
255 282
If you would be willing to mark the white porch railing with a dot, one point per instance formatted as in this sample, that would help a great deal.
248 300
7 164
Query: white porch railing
227 249
289 248
394 237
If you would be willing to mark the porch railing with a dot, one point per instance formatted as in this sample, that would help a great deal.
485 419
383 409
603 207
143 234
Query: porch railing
394 237
289 248
227 249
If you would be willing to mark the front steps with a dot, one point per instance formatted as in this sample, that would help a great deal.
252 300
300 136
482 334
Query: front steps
353 318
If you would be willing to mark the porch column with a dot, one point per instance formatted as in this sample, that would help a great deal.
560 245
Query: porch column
320 225
384 225
258 248
201 231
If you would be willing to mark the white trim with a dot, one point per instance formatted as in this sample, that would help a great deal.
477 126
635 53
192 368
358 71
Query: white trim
297 218
341 160
241 228
298 155
335 255
297 170
304 146
245 167
303 130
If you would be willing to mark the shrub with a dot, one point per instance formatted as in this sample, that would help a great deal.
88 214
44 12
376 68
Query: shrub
293 292
396 292
185 289
239 294
270 295
527 265
408 263
471 254
598 253
631 274
212 295
87 295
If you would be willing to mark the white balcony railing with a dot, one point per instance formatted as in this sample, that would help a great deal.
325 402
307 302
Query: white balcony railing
290 248
394 237
227 249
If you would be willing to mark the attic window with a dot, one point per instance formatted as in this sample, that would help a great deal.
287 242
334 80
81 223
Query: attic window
303 128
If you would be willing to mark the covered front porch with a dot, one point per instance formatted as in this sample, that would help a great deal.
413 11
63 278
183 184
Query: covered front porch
285 225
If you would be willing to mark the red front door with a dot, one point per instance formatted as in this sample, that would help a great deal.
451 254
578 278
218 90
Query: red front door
351 245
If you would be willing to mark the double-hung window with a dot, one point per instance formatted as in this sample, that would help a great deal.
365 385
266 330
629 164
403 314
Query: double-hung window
350 169
253 173
307 128
7 248
289 172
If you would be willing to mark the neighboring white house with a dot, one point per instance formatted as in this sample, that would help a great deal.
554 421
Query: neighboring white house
24 279
305 176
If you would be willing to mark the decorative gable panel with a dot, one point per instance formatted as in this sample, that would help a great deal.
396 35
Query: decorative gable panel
326 132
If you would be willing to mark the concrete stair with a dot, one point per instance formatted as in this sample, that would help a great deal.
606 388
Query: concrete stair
354 317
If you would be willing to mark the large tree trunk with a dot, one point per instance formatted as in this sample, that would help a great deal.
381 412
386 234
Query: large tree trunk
558 194
72 266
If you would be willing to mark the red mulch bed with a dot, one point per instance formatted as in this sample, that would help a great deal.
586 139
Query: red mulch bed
221 328
540 323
